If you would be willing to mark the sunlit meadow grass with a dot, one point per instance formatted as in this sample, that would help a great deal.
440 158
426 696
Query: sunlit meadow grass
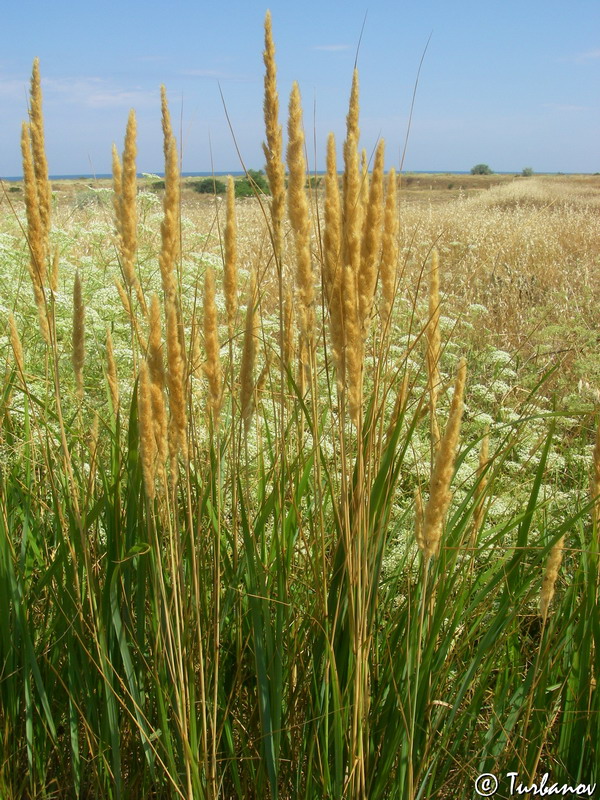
342 577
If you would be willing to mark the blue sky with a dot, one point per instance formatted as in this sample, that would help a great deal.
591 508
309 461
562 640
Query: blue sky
510 83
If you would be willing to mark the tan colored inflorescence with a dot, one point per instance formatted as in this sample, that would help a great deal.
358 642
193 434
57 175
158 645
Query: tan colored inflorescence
551 576
443 470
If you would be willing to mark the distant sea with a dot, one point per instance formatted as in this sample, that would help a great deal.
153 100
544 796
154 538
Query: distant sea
102 176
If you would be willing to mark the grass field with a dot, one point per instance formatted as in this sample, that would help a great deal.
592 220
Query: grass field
297 492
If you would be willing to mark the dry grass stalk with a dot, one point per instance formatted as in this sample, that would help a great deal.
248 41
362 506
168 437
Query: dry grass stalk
249 356
333 221
332 266
479 494
157 383
595 481
434 347
300 222
212 367
126 303
273 148
550 576
40 164
17 347
94 444
230 267
419 519
389 248
353 344
288 348
371 241
111 372
124 299
176 385
78 354
399 404
195 366
147 440
264 374
439 493
54 274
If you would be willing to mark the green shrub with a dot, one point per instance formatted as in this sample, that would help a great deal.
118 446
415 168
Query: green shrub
481 169
209 186
254 182
527 172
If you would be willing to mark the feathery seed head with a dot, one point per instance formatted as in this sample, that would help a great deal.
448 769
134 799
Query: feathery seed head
111 372
551 576
439 493
146 424
128 210
389 248
300 222
371 241
169 228
176 384
273 148
38 148
17 347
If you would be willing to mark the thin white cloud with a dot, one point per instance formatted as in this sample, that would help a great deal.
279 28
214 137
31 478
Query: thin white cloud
12 87
590 55
331 48
564 108
96 92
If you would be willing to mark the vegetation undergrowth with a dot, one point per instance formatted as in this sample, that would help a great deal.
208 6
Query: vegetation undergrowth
269 527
